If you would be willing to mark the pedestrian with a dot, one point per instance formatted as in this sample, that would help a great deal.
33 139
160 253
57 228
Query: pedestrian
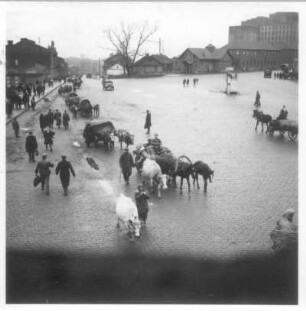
25 100
64 167
50 118
141 198
48 135
257 100
184 82
42 122
66 120
194 81
31 146
15 126
43 168
187 82
33 104
126 162
148 123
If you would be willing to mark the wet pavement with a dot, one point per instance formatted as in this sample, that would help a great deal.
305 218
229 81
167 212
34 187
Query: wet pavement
256 176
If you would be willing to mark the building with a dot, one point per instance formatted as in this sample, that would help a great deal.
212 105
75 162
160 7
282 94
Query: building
114 65
280 27
251 56
153 65
27 61
203 60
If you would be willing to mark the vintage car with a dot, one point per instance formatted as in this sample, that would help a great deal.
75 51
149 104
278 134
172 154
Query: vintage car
268 73
108 85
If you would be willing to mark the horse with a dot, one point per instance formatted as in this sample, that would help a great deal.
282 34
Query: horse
201 168
262 118
183 170
124 136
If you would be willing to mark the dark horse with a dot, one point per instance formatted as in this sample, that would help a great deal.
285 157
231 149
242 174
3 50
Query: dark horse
262 118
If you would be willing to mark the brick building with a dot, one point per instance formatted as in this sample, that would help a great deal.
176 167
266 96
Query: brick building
280 27
202 60
27 61
248 56
265 41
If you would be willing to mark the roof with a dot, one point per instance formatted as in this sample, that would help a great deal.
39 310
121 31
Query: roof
160 58
209 53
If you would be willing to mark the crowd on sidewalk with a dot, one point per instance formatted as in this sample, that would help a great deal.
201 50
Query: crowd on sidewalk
26 94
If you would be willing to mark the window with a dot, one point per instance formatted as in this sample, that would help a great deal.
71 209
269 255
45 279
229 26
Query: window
16 62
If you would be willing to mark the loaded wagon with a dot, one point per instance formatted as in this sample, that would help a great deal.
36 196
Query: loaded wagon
85 107
283 126
95 132
70 96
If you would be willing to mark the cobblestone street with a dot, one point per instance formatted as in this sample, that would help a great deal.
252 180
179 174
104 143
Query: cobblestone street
255 175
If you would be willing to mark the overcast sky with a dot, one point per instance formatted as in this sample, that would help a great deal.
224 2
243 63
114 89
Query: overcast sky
77 28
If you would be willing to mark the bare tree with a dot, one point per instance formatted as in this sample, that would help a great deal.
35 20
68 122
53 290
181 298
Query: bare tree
128 40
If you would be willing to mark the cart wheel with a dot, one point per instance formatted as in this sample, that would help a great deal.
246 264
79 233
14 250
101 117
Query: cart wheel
292 136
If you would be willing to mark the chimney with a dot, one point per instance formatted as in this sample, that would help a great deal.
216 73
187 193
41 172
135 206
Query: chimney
147 54
10 42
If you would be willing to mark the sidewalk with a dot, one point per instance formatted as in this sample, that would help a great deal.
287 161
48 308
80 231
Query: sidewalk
16 113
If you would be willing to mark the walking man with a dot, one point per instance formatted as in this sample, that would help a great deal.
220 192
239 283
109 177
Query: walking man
15 125
64 167
66 120
148 123
31 146
33 104
42 122
257 100
141 198
43 168
48 135
126 162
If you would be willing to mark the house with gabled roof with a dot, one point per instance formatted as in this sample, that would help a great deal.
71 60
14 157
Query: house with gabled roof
152 65
203 60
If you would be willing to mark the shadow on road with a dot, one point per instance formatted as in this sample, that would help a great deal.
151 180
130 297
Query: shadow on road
46 277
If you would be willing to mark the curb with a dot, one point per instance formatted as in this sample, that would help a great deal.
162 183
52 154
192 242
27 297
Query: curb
25 110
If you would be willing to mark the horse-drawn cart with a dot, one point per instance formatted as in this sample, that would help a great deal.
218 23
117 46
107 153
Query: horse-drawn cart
85 107
99 131
283 126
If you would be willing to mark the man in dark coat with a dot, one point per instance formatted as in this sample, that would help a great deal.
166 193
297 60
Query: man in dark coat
64 167
141 198
43 168
148 123
66 119
15 125
42 122
283 114
31 146
48 135
126 162
33 104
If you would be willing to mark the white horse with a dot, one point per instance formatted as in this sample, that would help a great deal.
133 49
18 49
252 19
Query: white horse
152 174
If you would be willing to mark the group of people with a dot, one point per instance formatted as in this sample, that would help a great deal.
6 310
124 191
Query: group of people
42 170
278 75
186 82
56 116
63 168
